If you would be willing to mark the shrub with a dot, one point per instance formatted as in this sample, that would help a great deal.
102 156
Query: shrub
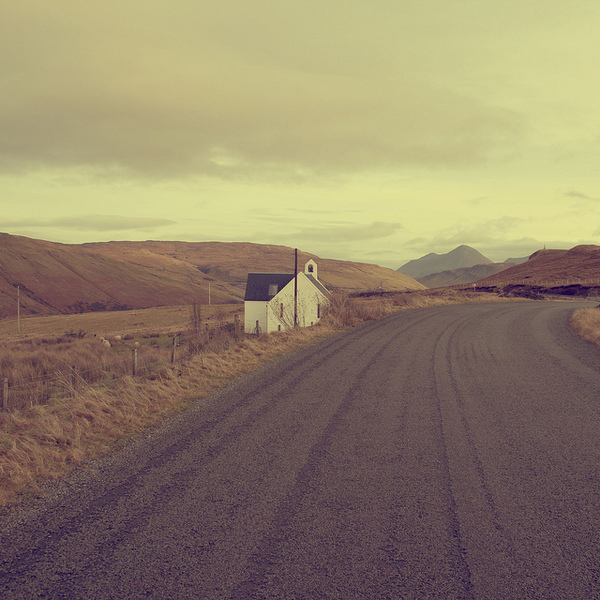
345 311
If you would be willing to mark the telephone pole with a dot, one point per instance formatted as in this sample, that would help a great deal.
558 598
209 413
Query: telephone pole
296 287
18 309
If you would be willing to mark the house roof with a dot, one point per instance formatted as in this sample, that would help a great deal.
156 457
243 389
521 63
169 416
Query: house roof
257 285
318 284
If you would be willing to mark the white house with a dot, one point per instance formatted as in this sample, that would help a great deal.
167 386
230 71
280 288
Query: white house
269 300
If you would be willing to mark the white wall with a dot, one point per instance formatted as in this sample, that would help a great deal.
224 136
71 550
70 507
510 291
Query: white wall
309 299
255 311
269 314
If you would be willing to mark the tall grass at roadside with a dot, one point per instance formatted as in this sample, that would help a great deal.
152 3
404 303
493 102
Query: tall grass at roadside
346 311
45 441
41 367
586 323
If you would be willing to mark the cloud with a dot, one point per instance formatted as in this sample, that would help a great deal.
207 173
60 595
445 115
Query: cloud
96 223
480 233
515 248
190 91
301 215
496 249
497 239
477 201
332 234
348 233
581 196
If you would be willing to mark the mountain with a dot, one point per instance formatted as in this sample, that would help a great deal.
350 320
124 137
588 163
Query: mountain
67 278
462 276
463 256
59 278
517 261
553 267
230 263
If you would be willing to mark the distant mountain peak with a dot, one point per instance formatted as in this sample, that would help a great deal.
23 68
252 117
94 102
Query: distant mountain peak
461 257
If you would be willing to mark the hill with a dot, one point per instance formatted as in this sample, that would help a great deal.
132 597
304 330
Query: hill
581 262
462 276
63 278
553 269
517 261
230 263
461 257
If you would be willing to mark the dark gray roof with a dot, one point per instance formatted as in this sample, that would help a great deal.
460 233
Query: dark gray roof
257 285
318 284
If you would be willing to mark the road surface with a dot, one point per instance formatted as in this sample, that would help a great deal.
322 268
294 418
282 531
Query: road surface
450 453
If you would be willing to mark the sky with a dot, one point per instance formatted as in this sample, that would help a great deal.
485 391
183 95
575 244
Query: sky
376 131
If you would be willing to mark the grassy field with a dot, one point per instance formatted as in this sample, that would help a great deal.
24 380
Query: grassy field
88 418
107 324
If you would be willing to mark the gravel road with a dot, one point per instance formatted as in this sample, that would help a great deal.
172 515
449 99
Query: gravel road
449 453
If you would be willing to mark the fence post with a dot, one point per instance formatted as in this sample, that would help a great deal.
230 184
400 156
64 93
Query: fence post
237 329
134 362
173 349
257 328
4 404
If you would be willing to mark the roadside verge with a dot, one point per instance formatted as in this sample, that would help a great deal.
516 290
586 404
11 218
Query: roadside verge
49 440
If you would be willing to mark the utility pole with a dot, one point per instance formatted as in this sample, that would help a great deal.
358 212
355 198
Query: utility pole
296 287
18 309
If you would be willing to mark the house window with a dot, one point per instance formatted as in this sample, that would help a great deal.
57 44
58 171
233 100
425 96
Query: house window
281 311
310 268
273 289
318 311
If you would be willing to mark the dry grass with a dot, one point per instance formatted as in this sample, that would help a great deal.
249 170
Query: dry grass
586 322
46 441
40 368
108 324
345 311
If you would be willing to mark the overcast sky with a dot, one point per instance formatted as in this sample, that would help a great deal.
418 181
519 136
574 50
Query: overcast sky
375 130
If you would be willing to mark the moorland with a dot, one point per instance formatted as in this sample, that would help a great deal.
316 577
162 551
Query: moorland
56 278
72 393
73 398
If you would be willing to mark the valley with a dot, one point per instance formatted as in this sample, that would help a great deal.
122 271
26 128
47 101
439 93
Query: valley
52 278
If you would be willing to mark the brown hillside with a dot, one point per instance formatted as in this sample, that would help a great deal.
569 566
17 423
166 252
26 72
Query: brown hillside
553 266
63 278
232 261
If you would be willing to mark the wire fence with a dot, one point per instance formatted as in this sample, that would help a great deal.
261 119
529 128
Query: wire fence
546 283
122 358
